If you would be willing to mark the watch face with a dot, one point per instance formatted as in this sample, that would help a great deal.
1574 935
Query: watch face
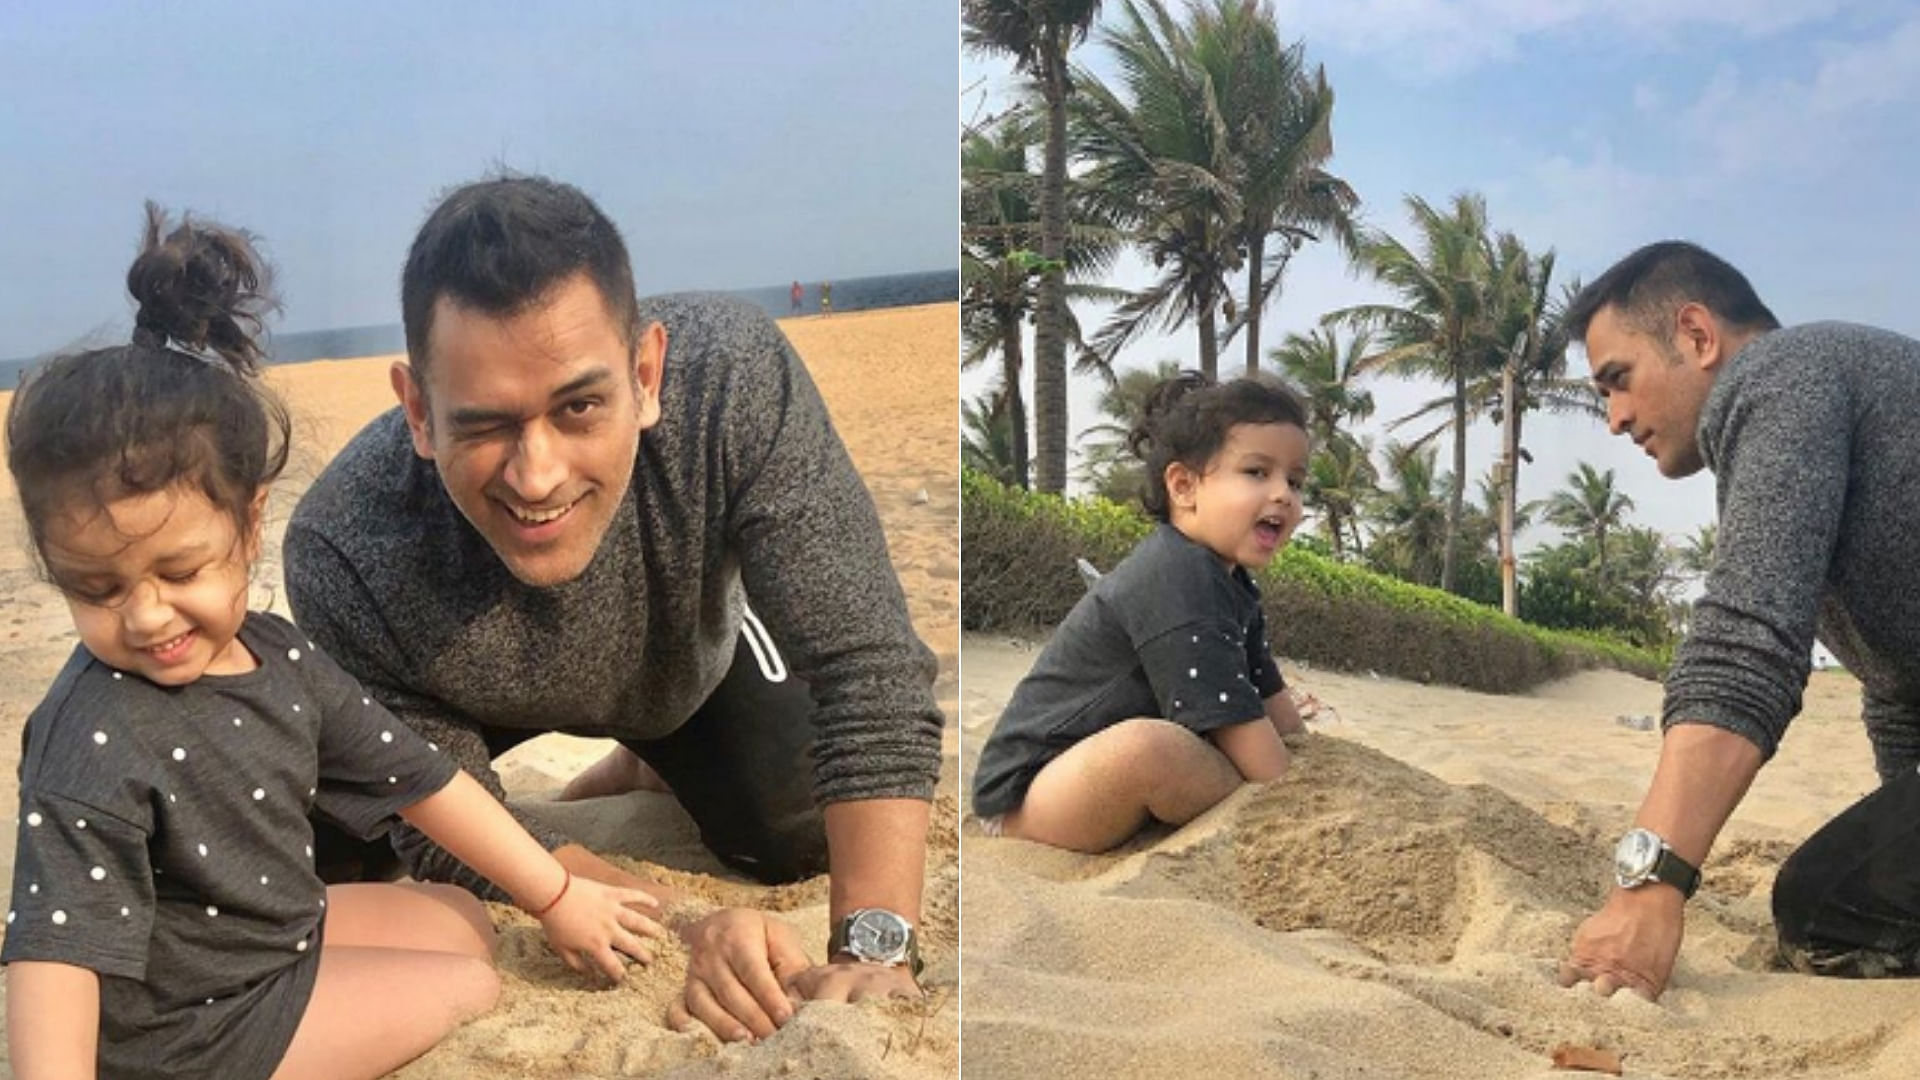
1633 859
877 935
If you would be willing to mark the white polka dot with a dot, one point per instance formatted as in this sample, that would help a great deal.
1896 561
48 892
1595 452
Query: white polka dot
309 851
263 879
34 889
1196 639
179 754
35 819
236 721
386 736
434 746
80 823
203 851
1223 695
293 654
1176 703
209 1001
98 873
117 675
259 793
323 901
393 779
311 792
1193 673
366 701
212 912
100 738
301 947
125 913
171 797
296 708
59 918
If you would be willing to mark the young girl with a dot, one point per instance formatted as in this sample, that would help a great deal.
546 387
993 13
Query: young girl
166 919
1158 694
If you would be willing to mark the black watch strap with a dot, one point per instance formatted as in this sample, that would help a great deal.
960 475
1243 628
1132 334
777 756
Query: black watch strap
1677 872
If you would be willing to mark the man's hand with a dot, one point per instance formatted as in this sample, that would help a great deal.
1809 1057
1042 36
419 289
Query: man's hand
1630 943
852 980
739 964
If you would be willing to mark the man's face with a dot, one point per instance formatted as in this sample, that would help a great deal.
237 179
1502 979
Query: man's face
1654 388
534 421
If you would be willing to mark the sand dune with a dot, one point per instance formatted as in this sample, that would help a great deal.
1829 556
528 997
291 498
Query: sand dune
1397 905
889 379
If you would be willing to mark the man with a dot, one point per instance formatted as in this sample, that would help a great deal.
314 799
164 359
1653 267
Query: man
1816 458
554 533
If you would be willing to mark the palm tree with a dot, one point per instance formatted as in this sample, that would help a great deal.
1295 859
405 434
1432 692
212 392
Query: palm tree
1441 327
1000 272
1589 508
1162 165
1107 463
1341 482
1037 35
1696 556
1325 374
1278 119
1409 517
987 436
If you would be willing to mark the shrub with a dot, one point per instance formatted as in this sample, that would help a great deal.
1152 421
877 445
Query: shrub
1018 574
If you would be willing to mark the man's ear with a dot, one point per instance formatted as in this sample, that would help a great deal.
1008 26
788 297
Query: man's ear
1698 335
649 372
413 401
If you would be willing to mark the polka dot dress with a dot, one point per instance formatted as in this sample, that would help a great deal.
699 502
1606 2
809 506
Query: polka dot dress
1169 633
163 843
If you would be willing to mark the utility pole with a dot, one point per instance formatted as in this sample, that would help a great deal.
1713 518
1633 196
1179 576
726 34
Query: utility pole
1509 460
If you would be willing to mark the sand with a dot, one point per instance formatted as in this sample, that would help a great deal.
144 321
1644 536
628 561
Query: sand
1397 905
889 379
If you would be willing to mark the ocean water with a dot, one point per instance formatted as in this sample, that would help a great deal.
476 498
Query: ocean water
853 294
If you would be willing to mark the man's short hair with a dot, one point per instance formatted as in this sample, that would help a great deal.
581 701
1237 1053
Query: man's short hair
1648 286
500 245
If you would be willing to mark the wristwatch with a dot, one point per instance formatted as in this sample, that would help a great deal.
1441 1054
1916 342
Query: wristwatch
877 936
1642 856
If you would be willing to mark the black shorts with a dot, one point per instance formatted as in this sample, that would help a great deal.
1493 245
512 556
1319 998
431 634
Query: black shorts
741 766
1847 903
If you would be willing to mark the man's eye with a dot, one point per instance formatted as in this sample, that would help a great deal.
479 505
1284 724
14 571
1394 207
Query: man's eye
582 407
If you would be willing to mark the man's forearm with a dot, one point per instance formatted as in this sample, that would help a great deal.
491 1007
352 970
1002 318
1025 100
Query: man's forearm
1703 774
878 855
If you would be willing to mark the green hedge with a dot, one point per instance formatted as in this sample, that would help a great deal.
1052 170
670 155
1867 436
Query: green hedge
1017 571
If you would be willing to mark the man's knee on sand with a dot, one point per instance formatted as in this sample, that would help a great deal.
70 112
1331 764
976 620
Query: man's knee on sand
777 849
1824 928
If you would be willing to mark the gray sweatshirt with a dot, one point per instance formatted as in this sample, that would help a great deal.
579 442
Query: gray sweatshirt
1813 435
743 482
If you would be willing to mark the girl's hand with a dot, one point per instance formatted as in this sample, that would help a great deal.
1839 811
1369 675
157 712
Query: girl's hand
592 925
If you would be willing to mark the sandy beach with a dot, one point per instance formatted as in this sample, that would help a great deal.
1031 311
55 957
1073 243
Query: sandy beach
1396 906
888 377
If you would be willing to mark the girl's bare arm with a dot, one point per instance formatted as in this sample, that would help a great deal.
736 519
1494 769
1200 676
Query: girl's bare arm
53 1020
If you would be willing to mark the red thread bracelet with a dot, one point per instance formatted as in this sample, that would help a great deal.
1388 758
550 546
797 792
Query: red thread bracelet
564 886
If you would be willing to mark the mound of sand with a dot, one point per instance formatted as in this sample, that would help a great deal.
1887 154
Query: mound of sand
1397 906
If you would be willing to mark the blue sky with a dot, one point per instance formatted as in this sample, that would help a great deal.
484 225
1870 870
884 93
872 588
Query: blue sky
736 144
1781 134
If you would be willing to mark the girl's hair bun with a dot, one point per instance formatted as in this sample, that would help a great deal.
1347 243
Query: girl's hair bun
201 287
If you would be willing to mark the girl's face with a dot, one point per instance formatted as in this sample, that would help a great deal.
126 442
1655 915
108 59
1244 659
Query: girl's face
157 583
1246 504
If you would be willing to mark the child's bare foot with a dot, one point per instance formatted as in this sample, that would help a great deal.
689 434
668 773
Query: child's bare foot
619 772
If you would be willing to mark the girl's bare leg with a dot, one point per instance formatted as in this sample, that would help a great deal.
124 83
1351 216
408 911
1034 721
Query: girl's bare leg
410 915
1109 784
373 1010
401 967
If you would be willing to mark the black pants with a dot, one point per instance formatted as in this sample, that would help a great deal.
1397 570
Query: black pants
741 766
1847 903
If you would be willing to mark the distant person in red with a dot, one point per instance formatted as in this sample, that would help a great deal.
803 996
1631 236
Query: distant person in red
794 294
